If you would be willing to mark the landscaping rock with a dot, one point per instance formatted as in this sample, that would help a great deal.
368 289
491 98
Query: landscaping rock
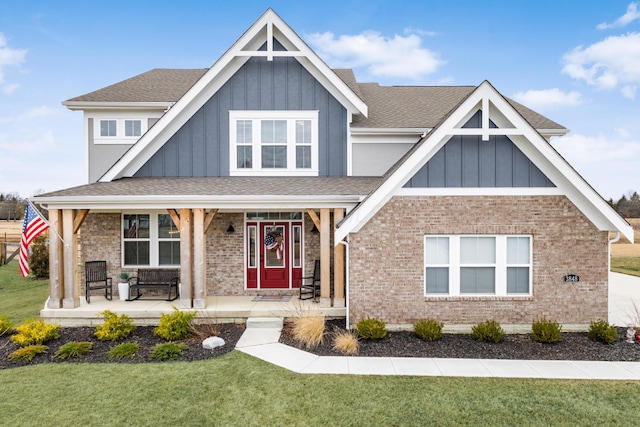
212 342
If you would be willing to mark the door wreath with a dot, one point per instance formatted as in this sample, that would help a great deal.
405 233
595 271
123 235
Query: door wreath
273 243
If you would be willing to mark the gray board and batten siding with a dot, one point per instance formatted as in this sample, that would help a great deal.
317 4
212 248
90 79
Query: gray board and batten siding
201 146
467 161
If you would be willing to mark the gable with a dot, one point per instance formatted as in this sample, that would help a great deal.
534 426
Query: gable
269 29
467 161
509 123
201 146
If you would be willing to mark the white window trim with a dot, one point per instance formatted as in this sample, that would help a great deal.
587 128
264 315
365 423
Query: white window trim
500 266
153 239
119 137
289 116
124 128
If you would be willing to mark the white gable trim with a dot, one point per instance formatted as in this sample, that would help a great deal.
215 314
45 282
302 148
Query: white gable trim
526 138
232 60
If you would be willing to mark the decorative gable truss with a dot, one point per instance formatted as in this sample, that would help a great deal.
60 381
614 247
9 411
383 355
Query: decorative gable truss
268 29
508 122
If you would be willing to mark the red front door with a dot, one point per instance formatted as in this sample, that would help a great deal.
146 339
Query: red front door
274 255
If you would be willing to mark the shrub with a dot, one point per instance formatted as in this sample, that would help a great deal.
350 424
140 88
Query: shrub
167 350
308 329
175 326
39 258
34 331
115 327
488 331
428 329
371 329
602 331
74 349
346 342
126 349
6 325
546 331
28 352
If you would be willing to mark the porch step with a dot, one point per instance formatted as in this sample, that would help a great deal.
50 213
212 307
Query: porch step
265 322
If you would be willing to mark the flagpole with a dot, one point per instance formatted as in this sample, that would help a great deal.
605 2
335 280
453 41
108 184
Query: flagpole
46 222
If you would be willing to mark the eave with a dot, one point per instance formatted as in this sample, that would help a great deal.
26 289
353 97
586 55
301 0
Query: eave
256 202
92 105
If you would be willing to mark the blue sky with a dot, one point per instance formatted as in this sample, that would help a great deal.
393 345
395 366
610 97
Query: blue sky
578 63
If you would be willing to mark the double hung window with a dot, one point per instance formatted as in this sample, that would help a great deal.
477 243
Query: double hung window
477 265
274 142
150 240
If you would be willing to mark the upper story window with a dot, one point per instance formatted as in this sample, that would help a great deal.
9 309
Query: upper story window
477 265
273 142
132 127
108 128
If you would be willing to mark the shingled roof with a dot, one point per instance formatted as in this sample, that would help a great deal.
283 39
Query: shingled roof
223 186
157 85
390 107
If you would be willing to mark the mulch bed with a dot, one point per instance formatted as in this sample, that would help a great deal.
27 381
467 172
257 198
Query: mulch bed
143 335
574 346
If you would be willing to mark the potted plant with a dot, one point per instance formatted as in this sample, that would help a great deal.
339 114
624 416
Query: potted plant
123 286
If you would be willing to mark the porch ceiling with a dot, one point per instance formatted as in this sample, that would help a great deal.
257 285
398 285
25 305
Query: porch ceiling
214 192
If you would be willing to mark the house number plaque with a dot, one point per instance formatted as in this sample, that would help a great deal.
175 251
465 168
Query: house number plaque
571 278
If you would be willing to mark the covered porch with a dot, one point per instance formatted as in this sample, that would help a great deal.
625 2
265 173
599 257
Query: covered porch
219 309
211 220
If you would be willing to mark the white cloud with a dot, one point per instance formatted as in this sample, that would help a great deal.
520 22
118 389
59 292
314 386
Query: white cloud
9 89
397 56
613 63
38 112
9 57
608 162
631 15
540 99
39 142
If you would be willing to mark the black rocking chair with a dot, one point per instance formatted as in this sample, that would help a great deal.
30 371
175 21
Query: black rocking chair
310 286
95 273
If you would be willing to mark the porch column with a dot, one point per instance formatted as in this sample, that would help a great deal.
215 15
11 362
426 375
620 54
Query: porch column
186 294
338 265
325 257
70 257
199 260
56 273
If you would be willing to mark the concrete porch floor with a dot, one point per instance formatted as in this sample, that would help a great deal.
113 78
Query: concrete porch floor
220 309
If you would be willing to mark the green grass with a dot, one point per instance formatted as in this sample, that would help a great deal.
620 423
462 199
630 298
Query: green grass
626 265
239 390
21 298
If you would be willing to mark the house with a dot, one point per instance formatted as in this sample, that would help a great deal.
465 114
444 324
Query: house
417 201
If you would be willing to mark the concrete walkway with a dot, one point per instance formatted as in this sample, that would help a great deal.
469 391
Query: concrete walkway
260 340
624 292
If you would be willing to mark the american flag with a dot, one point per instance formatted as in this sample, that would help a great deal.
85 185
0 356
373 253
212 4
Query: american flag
32 226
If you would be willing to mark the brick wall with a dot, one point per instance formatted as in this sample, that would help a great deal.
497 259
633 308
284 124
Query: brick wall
387 260
100 239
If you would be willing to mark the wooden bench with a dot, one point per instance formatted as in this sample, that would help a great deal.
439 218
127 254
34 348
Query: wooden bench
155 278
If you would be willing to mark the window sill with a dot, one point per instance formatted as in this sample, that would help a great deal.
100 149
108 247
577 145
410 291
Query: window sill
429 298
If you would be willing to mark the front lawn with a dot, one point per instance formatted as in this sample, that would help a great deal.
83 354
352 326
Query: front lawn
21 298
239 390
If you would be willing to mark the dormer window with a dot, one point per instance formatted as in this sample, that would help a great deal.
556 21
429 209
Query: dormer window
274 142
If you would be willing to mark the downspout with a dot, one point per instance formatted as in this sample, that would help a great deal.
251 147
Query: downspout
346 281
614 240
